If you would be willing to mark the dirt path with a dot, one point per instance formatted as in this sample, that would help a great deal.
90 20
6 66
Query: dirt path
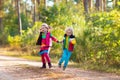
12 68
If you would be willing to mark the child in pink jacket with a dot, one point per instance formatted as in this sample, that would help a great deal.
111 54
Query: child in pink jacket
44 42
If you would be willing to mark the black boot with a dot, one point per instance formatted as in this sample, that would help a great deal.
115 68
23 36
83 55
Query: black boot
64 67
44 65
49 64
59 65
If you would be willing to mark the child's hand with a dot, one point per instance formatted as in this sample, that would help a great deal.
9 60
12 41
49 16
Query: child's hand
59 41
41 30
43 45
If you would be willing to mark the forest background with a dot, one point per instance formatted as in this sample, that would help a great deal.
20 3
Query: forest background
96 26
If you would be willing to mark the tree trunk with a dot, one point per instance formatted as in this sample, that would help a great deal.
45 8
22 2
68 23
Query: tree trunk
97 5
34 11
90 5
45 3
19 17
66 1
26 9
1 25
34 17
104 5
55 1
115 3
38 1
101 5
1 16
58 1
85 3
16 6
12 2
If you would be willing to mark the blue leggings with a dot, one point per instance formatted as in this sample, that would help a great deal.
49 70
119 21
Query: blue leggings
65 57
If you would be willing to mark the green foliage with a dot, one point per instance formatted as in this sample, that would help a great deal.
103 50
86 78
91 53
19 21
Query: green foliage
14 41
97 34
25 23
98 42
104 38
10 23
3 38
60 15
118 5
30 35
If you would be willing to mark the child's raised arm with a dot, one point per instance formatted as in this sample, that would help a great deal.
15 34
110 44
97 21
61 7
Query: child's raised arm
53 38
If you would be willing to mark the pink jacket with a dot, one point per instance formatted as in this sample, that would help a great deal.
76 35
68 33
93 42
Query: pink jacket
45 42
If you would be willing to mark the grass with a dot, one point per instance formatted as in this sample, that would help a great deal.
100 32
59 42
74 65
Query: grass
24 55
34 58
100 68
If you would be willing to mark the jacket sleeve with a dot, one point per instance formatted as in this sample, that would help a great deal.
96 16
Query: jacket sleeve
53 38
73 41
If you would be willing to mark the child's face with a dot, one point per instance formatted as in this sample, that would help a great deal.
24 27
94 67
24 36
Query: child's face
44 29
69 32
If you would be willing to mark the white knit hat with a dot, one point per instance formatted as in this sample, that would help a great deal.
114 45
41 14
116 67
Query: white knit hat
69 28
45 25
